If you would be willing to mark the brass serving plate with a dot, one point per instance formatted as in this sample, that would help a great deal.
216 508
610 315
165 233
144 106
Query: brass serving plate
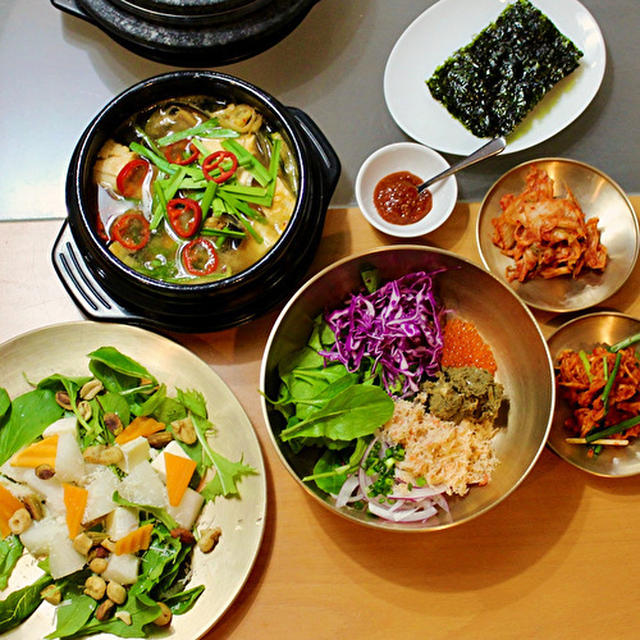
62 348
598 196
524 367
584 333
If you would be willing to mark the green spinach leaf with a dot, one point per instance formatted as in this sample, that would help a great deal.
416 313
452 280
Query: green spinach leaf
181 602
5 402
20 604
10 552
73 615
355 412
117 361
30 414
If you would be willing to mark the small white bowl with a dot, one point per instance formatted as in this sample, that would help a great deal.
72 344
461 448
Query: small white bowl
422 162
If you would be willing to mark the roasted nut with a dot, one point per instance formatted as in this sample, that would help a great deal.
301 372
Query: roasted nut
184 430
98 565
109 545
91 389
209 539
82 543
116 592
97 536
113 423
125 616
33 505
165 615
52 594
186 537
103 454
160 439
45 471
84 410
105 610
62 398
20 521
95 587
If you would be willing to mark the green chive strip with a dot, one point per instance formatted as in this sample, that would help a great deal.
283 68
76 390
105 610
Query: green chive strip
241 207
208 129
223 233
587 366
207 198
605 368
255 167
160 162
144 136
621 427
623 344
609 385
247 225
161 205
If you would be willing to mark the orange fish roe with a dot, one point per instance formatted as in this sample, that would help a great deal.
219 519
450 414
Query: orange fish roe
463 347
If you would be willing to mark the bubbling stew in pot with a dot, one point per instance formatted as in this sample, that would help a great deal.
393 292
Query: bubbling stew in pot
193 190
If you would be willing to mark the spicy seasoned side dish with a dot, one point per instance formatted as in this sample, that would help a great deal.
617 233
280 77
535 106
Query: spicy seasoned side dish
546 235
193 190
492 83
394 430
602 387
102 480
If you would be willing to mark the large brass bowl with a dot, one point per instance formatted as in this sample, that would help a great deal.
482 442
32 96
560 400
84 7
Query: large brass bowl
524 367
599 197
584 333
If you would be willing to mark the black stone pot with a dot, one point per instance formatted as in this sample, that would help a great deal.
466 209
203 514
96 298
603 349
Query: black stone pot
192 33
106 289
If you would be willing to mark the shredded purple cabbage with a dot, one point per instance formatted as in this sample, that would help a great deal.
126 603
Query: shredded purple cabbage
398 326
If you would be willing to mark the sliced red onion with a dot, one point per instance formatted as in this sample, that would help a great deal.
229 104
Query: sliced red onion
345 495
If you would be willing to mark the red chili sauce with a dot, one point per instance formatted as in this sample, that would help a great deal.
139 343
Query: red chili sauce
397 200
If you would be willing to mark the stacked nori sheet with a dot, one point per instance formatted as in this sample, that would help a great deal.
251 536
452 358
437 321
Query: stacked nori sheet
492 83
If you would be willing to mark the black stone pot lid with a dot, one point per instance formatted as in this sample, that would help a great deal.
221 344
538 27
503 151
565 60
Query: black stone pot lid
192 33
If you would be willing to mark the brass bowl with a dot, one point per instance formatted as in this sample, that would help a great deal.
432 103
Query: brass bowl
584 333
62 348
524 367
598 196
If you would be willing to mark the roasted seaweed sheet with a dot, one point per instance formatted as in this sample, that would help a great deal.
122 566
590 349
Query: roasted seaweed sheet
492 83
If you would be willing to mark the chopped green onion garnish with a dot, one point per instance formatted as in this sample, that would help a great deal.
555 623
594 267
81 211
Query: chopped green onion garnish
627 342
208 129
587 366
610 381
621 427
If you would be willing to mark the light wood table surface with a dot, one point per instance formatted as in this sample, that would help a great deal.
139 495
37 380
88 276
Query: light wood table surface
554 560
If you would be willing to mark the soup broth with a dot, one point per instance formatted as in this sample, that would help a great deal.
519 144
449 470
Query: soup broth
193 190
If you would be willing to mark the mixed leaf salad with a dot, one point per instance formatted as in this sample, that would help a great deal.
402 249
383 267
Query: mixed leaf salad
369 393
103 478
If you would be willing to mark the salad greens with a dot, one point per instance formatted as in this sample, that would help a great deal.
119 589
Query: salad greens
121 387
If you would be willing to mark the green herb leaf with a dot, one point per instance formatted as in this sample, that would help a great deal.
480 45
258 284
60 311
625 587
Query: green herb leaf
181 602
20 604
355 412
194 401
10 552
73 615
119 362
158 512
5 402
30 414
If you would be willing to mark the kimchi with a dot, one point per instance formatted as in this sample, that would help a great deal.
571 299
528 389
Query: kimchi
546 235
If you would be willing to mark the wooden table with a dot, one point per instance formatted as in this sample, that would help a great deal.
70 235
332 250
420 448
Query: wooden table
554 560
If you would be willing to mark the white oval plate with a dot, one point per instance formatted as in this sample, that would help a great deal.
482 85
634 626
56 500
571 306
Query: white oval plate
62 348
450 24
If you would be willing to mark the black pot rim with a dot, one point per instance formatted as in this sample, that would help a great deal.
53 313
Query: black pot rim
81 162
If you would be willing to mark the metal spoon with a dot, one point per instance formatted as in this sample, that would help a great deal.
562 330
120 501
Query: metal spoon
491 148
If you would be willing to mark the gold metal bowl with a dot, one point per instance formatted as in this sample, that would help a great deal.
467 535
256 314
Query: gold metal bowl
524 367
584 333
599 196
63 348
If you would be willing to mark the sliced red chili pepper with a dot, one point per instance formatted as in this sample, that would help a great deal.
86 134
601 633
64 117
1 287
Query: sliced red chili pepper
131 230
185 216
200 257
214 161
177 152
129 180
